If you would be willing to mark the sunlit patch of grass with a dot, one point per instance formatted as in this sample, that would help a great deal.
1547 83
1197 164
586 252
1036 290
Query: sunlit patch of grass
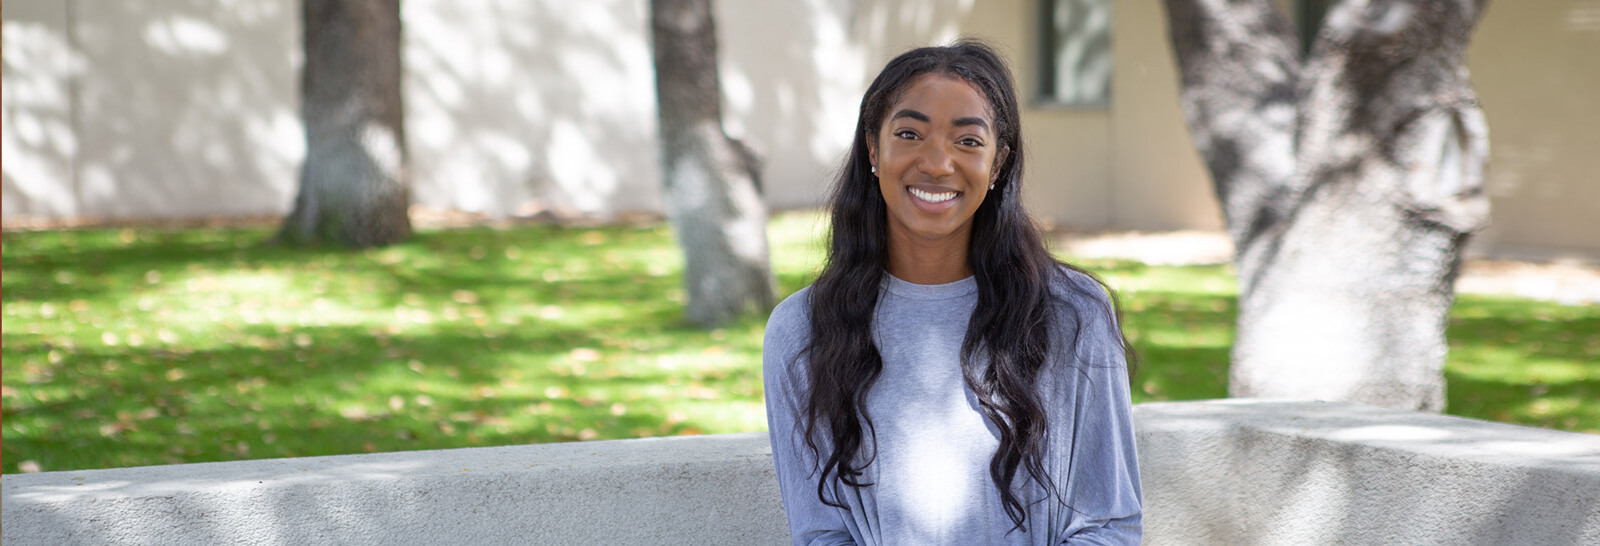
1180 321
1529 362
127 347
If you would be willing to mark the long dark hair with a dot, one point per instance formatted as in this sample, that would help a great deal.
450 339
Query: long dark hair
1010 326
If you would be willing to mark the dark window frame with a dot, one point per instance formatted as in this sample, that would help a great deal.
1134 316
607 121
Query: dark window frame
1045 92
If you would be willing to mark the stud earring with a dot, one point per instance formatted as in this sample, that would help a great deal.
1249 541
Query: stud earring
874 169
991 185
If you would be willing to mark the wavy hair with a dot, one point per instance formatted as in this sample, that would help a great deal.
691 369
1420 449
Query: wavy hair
1009 328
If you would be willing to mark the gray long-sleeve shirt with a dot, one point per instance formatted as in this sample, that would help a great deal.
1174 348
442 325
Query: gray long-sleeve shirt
930 478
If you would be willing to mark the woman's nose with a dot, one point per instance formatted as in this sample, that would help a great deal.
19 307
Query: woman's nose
937 160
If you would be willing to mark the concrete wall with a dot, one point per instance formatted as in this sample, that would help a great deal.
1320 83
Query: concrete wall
1223 472
1259 472
686 490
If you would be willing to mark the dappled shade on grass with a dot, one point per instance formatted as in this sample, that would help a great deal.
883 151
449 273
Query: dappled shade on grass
130 347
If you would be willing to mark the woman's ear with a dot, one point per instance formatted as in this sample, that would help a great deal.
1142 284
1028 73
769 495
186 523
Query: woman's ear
872 149
999 161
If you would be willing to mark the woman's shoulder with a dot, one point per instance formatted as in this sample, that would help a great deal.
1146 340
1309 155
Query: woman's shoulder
795 308
1087 315
1077 287
791 319
1082 301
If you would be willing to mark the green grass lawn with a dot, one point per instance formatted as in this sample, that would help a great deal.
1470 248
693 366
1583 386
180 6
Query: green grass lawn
127 347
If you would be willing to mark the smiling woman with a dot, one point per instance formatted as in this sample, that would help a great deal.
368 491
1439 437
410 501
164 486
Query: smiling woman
945 380
934 172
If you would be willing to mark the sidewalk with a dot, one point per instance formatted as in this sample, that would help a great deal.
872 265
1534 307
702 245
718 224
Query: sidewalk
1567 283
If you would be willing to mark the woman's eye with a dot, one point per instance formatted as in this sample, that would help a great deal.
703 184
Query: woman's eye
906 134
971 142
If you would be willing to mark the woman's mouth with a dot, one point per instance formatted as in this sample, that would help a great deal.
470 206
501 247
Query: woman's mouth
934 197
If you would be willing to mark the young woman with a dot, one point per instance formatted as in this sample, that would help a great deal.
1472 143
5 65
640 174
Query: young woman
945 380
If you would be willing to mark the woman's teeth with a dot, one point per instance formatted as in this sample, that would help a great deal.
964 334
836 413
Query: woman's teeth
933 197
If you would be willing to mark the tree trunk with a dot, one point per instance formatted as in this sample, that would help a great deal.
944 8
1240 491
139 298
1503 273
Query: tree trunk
352 186
712 181
1350 183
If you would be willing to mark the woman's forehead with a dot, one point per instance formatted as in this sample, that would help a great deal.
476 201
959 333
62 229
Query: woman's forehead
941 96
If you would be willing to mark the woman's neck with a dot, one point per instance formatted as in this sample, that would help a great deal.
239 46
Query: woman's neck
922 261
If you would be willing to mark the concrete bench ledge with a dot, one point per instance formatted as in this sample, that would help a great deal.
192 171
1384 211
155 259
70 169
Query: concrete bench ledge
1266 472
705 490
1216 472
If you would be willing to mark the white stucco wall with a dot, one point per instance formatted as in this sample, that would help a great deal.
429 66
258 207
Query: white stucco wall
515 106
38 142
1216 472
150 108
184 108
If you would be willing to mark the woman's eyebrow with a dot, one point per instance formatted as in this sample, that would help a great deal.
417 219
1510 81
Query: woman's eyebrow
959 122
909 113
972 121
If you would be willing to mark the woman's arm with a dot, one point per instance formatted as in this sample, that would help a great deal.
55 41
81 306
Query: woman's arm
1102 491
811 522
1103 488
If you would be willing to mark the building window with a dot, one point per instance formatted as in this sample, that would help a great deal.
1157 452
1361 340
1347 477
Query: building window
1075 58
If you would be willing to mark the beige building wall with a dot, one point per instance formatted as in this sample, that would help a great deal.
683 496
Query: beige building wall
1536 65
1069 150
1536 71
186 108
1158 180
1128 165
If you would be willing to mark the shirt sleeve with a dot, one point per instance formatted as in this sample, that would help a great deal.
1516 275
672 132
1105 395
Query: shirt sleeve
1096 454
811 522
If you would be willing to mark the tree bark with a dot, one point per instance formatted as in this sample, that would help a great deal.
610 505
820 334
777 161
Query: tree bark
1350 183
352 185
712 181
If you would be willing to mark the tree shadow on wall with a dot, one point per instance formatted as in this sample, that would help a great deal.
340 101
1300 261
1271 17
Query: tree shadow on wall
175 108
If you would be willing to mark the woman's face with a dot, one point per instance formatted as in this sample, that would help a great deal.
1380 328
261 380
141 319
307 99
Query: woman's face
936 154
